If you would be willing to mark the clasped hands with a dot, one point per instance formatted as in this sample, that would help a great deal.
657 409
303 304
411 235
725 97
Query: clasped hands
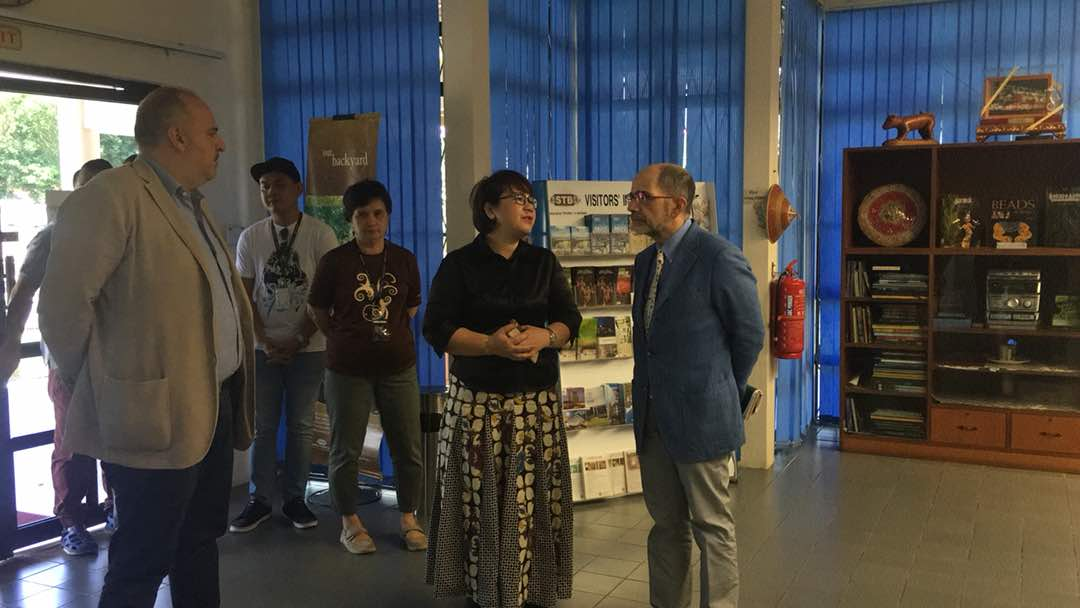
280 352
518 342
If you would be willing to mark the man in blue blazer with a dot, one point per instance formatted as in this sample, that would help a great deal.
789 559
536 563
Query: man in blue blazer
697 334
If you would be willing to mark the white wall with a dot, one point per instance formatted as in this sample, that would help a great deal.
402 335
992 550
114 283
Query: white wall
231 85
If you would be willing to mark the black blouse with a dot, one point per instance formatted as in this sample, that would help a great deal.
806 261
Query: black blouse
480 290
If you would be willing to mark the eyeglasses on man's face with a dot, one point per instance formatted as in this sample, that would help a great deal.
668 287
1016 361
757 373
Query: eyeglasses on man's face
640 196
521 199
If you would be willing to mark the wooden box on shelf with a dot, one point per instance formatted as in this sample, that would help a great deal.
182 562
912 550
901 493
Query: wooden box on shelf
942 357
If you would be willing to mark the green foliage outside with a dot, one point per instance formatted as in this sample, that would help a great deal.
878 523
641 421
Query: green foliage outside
116 148
29 147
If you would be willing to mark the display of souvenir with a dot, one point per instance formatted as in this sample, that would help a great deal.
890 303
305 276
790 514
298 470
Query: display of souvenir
892 215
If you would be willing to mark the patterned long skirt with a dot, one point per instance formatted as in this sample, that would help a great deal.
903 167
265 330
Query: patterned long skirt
502 521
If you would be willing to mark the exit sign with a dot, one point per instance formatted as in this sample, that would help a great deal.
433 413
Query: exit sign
10 37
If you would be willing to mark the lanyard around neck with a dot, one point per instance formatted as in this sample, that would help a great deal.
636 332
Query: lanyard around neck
292 237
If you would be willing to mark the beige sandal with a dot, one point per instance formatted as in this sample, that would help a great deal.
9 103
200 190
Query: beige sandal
357 541
416 542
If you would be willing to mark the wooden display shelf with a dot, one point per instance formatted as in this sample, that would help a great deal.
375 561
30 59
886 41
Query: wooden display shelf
1045 395
859 390
1023 369
920 251
1032 404
885 300
1011 331
886 346
1030 251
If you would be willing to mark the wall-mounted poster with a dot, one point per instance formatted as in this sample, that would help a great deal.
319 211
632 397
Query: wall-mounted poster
341 152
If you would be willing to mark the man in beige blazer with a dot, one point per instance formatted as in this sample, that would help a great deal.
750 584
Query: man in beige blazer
144 312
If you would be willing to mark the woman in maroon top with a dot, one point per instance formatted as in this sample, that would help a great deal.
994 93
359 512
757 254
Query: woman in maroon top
502 525
363 297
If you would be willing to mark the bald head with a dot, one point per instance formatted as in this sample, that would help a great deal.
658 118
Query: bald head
666 195
162 109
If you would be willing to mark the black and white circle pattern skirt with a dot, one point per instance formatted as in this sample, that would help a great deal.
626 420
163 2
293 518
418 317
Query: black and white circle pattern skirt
502 522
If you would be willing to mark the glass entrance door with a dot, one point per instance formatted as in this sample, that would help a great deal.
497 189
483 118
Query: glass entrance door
51 122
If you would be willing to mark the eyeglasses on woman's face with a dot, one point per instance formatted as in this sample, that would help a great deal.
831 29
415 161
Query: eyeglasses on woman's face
520 199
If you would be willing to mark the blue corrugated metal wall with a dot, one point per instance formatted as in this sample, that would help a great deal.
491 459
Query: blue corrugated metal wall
930 57
800 107
327 57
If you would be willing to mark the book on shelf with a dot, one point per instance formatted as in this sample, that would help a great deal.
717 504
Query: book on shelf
599 233
597 477
903 372
584 286
605 285
633 473
1014 222
617 404
897 423
579 241
624 337
607 343
960 222
1066 311
858 280
577 480
617 471
624 285
598 401
620 234
587 345
559 238
1063 217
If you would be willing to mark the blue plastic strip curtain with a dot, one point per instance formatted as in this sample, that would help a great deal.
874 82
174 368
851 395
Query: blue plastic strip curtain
328 57
662 80
929 57
532 96
800 111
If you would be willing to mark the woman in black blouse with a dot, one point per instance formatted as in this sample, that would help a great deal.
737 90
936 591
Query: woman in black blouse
502 521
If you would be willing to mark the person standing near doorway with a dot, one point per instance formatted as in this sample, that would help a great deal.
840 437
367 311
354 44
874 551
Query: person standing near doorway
73 475
365 294
143 309
277 257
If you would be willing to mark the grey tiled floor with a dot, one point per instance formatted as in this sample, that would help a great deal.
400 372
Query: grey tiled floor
820 529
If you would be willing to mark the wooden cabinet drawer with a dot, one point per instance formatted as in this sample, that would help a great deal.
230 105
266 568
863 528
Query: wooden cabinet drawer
1060 434
967 427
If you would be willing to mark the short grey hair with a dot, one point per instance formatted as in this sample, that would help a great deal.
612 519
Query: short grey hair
676 181
158 111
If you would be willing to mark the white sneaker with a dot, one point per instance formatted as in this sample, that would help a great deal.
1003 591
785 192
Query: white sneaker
357 541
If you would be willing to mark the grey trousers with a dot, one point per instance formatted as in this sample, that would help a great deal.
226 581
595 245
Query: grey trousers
349 401
688 502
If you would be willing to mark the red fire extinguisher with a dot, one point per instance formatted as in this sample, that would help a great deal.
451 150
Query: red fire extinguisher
788 313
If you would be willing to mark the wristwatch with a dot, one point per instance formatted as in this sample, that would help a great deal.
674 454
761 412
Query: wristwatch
552 337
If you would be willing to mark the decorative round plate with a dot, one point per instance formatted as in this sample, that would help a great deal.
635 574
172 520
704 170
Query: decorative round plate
892 215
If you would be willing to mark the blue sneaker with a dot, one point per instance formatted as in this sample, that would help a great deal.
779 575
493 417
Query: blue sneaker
77 541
